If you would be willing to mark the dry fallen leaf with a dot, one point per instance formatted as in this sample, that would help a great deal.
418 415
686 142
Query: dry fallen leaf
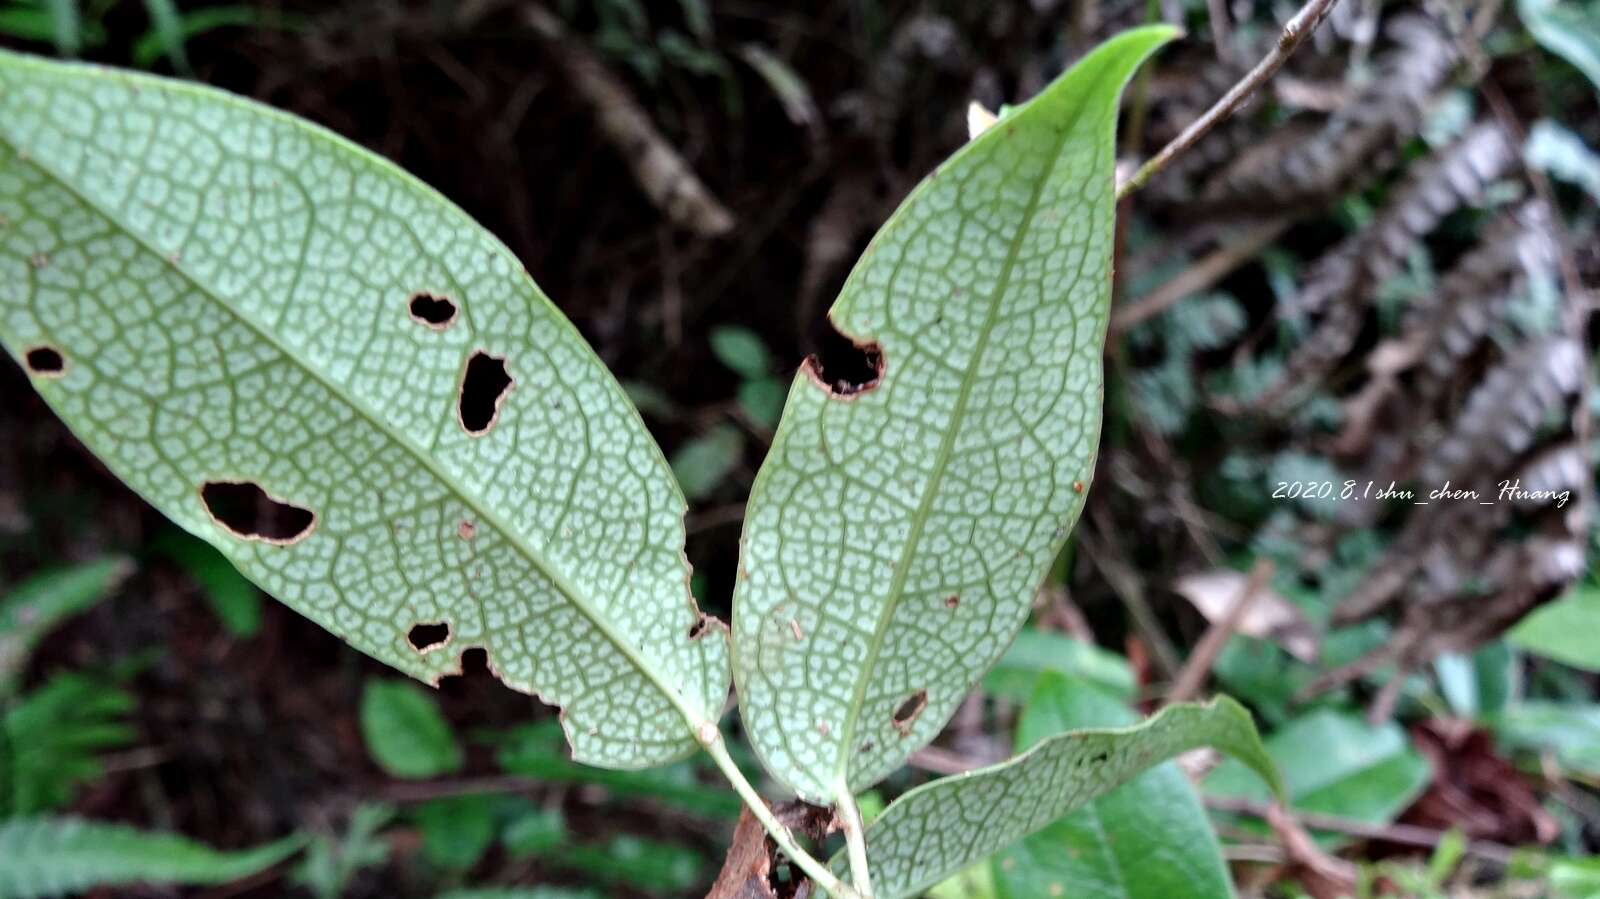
1270 616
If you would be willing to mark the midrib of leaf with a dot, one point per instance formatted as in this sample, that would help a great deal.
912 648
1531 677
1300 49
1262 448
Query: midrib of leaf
512 535
941 463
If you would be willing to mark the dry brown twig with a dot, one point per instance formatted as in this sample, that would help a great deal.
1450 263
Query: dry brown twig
661 171
1195 670
1295 31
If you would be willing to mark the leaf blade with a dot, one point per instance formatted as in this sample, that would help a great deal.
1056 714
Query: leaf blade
847 548
54 856
938 828
1147 839
233 283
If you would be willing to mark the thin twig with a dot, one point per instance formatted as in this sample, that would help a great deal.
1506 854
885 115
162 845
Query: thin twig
1205 652
659 169
1402 834
1294 34
1216 265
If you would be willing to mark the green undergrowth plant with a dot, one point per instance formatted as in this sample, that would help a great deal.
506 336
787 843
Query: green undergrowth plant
322 368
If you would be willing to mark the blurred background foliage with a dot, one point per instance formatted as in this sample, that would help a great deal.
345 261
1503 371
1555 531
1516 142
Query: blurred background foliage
1366 292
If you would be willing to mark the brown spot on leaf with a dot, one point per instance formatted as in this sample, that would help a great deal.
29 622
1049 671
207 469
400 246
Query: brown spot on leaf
45 362
248 512
432 310
426 636
844 367
952 601
484 386
907 714
699 628
1077 486
466 530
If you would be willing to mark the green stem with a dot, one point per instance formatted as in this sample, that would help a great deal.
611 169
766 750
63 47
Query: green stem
816 870
855 839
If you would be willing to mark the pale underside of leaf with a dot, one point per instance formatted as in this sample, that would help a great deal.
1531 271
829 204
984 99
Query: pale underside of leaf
229 291
941 827
895 536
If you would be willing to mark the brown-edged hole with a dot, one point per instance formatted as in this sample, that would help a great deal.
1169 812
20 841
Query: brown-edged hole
45 361
426 636
483 387
434 311
843 367
250 513
907 714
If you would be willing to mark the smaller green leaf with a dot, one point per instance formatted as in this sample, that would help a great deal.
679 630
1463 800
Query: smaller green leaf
153 45
534 832
1570 730
762 400
1335 764
456 831
236 601
741 350
56 856
50 739
643 864
941 827
1568 30
1035 652
1099 849
166 25
704 463
1478 685
34 607
404 731
1564 630
66 26
537 750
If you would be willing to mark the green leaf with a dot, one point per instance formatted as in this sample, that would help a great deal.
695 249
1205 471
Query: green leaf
1481 684
66 26
661 868
704 463
153 45
1569 730
1335 764
941 827
897 532
457 830
1567 29
741 350
50 739
405 732
166 26
1035 652
1105 849
267 332
534 832
762 400
1565 630
34 607
56 856
532 751
236 601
